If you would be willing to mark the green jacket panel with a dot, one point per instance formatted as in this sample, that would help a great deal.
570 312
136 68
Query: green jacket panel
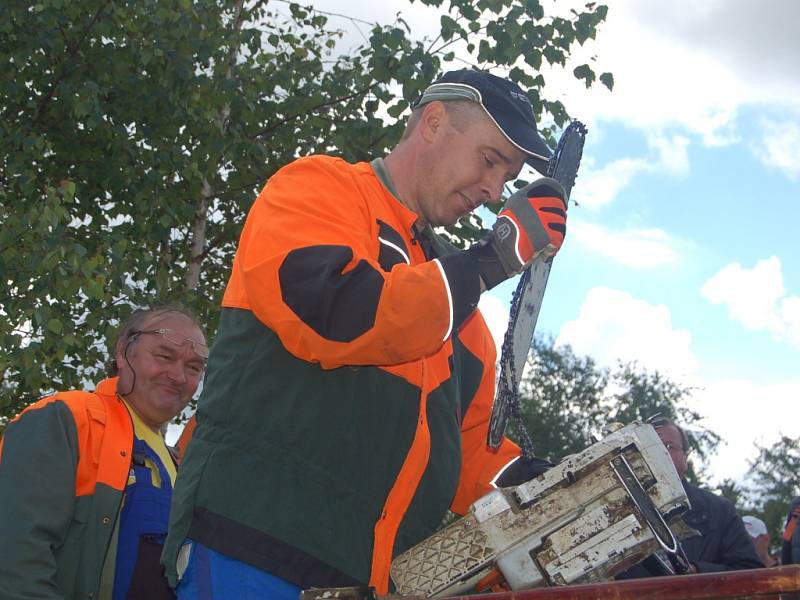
53 541
318 489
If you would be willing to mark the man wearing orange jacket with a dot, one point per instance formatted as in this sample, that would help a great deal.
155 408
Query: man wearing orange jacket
349 390
86 477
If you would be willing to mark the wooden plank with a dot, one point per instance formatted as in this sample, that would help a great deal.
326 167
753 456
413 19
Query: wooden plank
778 582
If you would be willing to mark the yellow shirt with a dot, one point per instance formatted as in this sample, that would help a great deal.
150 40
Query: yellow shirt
154 439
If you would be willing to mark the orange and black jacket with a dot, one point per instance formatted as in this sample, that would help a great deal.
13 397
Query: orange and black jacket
348 392
64 464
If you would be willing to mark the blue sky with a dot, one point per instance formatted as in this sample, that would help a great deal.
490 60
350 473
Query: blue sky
683 251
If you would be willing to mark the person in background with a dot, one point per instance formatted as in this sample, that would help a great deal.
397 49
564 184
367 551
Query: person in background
758 531
723 543
790 551
86 477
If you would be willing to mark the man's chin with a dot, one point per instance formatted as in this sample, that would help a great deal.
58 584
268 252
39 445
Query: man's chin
447 221
172 406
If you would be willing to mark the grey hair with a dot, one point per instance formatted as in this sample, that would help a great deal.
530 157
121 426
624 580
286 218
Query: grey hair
136 321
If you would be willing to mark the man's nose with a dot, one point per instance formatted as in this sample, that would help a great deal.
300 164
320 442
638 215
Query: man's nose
177 372
492 188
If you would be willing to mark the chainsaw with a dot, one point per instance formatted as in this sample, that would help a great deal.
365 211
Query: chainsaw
592 516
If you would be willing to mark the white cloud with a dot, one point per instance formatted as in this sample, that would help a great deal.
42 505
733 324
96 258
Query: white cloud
672 154
495 313
595 188
636 248
758 38
780 147
757 298
660 81
613 325
790 313
724 404
687 64
598 187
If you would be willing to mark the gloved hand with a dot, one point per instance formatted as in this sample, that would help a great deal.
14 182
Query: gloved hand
533 222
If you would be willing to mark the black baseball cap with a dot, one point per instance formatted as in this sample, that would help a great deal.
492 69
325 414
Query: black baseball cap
505 104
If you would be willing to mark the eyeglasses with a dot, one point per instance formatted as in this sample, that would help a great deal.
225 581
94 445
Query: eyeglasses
173 337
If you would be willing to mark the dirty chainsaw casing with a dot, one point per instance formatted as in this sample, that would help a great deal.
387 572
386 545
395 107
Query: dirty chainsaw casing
592 516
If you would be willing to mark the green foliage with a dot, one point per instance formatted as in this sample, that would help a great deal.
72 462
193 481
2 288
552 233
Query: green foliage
562 400
736 494
773 481
567 400
134 136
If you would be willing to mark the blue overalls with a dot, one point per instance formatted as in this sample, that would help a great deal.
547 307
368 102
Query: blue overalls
142 530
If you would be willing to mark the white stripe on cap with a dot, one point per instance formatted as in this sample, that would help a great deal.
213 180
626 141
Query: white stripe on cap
449 297
448 91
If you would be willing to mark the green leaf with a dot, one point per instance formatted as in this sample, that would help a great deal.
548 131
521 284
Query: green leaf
449 27
584 72
55 326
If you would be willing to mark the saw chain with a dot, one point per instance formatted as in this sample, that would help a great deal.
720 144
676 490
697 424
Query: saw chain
526 302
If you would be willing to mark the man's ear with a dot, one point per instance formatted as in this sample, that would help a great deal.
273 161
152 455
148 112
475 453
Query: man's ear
433 120
119 351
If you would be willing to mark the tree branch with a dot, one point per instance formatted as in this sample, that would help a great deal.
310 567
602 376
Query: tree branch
72 52
197 253
274 126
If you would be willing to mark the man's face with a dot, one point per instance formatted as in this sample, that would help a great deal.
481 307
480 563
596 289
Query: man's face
671 437
468 166
164 374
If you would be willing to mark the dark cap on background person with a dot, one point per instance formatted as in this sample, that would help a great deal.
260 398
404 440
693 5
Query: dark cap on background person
503 101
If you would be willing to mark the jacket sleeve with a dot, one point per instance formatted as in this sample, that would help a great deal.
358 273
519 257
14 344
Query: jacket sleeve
307 265
480 465
38 460
736 550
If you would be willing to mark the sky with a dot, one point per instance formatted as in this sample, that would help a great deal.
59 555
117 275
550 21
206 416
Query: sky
682 249
682 253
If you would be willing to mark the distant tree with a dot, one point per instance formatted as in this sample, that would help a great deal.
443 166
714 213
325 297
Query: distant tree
562 399
773 481
637 394
567 399
135 135
737 494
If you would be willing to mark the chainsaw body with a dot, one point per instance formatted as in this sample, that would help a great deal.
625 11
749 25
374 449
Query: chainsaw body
595 514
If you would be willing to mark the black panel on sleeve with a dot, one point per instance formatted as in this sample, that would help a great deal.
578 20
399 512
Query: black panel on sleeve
339 307
393 250
461 270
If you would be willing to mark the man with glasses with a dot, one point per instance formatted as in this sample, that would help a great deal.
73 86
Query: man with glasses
723 543
86 477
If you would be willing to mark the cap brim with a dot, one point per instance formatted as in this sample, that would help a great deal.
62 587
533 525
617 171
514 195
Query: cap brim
525 138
